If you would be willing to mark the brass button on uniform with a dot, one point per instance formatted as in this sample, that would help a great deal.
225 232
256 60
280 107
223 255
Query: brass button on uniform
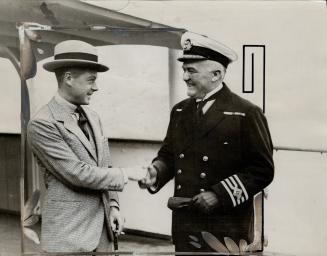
181 156
205 158
179 171
202 190
178 187
203 175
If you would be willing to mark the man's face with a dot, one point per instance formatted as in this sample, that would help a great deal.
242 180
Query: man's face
82 86
198 77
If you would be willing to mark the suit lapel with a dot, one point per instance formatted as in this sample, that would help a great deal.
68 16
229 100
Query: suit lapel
211 119
97 135
60 114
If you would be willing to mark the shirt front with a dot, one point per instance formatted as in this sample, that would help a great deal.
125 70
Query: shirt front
208 104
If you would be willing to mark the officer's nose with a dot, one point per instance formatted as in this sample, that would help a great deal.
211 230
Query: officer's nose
186 76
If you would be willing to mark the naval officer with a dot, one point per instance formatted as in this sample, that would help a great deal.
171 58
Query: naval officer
217 147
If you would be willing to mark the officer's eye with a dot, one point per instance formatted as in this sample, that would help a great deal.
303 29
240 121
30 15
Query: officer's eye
190 70
91 79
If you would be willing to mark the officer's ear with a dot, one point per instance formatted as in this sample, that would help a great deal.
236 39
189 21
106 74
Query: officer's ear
216 75
214 78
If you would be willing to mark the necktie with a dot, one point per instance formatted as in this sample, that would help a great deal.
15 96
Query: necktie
82 121
201 104
199 110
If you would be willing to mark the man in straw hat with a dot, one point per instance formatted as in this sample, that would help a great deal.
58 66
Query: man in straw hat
219 150
80 209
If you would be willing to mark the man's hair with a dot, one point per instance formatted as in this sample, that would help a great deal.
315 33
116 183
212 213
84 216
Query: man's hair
75 71
217 66
60 72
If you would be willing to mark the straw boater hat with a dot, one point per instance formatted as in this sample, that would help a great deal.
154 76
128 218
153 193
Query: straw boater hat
74 53
200 47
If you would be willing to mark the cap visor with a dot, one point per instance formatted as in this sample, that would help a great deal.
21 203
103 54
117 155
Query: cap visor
187 57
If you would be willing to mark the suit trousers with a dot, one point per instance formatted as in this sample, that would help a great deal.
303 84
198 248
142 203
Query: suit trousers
104 245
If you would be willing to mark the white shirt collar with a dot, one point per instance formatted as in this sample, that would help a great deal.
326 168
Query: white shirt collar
217 89
70 107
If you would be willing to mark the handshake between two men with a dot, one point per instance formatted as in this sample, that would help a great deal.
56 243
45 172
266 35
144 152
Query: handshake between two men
218 170
148 178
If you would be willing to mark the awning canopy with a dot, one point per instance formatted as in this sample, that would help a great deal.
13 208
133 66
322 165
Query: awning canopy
81 21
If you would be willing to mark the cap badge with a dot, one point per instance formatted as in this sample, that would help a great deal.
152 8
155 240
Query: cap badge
187 45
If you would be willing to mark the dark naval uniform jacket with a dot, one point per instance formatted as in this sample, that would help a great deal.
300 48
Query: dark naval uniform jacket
229 152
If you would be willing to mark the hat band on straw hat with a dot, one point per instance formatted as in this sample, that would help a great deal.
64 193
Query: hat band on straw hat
77 56
208 54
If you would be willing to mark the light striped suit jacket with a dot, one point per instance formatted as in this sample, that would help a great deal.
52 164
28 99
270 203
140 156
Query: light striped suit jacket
77 177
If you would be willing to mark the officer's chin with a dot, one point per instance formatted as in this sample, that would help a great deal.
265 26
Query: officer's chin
191 93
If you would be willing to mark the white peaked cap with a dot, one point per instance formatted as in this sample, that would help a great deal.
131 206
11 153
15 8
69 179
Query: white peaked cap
200 47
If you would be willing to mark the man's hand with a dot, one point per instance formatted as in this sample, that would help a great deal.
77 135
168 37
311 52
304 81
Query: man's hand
205 201
150 178
116 220
135 173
